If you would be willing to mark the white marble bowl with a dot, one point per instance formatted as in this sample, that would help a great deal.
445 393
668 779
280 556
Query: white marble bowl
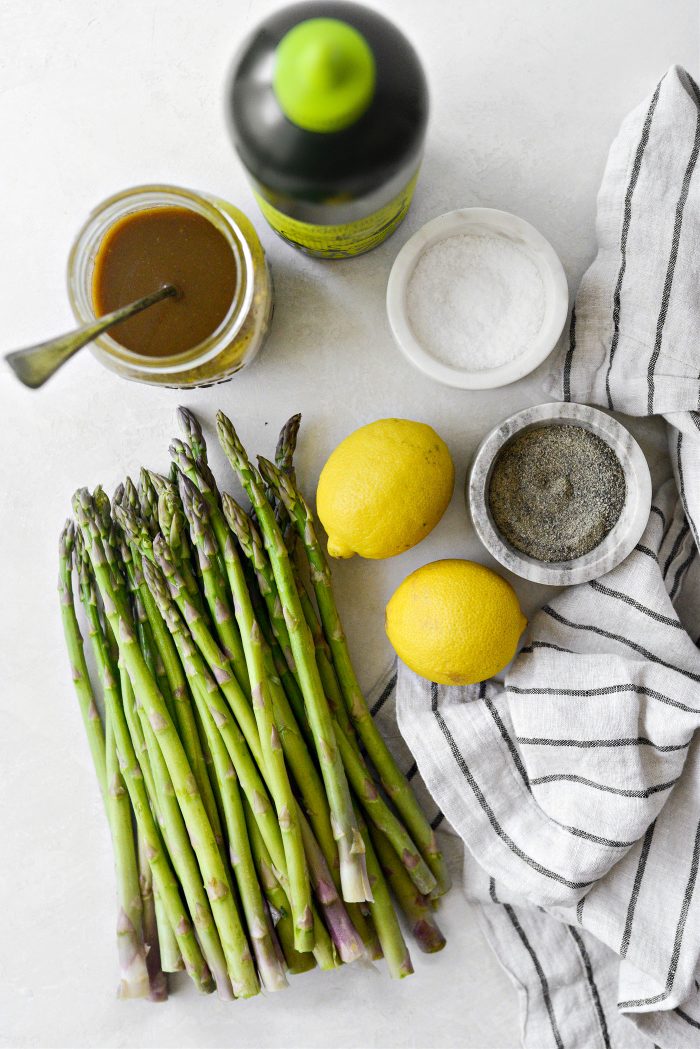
482 221
620 540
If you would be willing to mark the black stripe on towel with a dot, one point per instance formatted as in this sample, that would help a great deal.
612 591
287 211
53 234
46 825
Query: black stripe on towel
681 483
688 1019
605 690
578 833
570 777
492 890
546 644
680 572
569 355
579 910
682 533
609 592
632 905
680 929
388 689
659 513
590 980
488 811
640 741
647 551
517 760
540 974
622 640
626 219
670 269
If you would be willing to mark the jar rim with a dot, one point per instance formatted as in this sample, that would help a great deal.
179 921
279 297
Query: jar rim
85 247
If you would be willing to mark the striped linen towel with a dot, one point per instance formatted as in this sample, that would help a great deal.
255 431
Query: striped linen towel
575 785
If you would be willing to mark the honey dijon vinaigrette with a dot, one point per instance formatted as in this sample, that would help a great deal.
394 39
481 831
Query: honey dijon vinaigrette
165 245
208 249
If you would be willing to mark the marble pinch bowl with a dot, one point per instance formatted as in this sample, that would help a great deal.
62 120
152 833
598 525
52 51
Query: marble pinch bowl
479 221
622 537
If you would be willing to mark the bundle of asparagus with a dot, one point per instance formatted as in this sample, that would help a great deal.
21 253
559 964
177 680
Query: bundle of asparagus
259 822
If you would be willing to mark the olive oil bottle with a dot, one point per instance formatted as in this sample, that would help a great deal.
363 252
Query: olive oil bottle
327 105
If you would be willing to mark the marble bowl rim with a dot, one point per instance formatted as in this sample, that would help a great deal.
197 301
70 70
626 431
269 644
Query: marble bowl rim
621 539
450 224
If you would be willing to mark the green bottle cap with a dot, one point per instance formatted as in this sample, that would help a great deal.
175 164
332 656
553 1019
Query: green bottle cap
324 74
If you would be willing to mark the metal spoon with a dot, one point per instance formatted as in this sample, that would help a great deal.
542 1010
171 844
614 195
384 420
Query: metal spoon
35 364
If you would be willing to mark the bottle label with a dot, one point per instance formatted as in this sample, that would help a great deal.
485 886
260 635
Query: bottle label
343 241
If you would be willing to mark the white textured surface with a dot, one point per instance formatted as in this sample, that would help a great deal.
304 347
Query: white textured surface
96 95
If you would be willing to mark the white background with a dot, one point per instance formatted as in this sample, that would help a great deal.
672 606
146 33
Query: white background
97 95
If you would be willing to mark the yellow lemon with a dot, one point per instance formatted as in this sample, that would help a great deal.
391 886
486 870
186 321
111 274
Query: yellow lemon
384 488
455 622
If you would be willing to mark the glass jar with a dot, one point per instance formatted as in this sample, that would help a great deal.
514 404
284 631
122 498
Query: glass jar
243 330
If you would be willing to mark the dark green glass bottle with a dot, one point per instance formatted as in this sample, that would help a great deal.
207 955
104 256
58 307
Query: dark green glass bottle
328 105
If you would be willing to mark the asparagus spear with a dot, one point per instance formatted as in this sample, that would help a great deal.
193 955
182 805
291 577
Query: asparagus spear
251 544
284 457
199 473
373 803
170 956
132 951
162 872
171 681
300 762
173 525
245 753
185 861
218 662
182 707
157 979
393 780
286 446
144 631
246 765
343 932
134 981
361 922
377 810
272 754
263 939
239 847
384 916
181 699
163 797
276 898
417 908
216 587
277 666
288 706
199 828
148 500
193 433
324 660
76 654
353 872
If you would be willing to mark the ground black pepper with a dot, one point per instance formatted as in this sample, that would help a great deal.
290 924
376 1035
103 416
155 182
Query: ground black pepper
556 491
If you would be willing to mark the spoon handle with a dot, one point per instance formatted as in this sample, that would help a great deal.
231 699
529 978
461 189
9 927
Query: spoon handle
35 364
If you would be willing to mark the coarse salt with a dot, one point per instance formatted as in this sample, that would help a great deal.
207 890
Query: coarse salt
475 301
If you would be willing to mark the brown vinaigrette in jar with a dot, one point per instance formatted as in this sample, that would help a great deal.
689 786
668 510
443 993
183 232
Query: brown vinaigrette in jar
165 245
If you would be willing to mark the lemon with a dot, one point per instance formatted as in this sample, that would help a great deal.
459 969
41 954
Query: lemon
384 488
455 622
